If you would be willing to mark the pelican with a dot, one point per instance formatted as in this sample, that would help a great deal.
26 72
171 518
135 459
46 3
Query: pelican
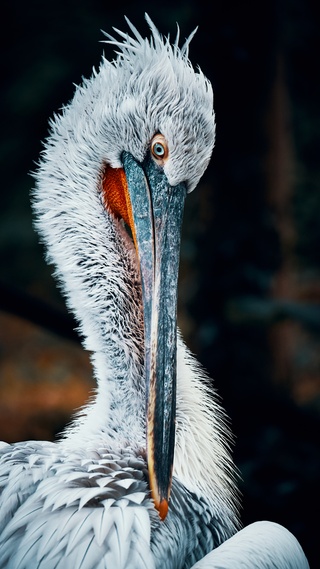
143 476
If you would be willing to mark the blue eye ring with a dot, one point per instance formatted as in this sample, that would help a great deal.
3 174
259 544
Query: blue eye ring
159 148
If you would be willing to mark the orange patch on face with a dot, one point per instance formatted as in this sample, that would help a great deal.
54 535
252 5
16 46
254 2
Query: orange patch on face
116 196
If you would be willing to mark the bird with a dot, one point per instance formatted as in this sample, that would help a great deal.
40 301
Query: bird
143 477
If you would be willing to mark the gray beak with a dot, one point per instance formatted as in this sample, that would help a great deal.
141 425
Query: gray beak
157 210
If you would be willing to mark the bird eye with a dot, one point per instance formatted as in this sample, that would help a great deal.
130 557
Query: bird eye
159 148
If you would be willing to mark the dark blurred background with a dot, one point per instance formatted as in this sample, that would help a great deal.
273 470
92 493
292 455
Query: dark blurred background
250 270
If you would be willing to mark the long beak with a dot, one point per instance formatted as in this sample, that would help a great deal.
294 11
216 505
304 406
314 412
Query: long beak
157 210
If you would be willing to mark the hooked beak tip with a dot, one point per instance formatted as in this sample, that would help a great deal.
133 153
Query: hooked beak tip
162 508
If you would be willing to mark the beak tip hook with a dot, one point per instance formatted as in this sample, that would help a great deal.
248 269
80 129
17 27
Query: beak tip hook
162 508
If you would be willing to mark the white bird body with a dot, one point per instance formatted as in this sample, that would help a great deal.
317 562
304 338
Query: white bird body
84 502
261 545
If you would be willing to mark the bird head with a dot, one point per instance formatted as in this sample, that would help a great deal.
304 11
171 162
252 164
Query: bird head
156 90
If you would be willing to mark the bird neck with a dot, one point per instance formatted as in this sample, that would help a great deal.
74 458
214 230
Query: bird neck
97 268
111 322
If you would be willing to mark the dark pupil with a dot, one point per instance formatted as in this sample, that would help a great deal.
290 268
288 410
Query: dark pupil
158 149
